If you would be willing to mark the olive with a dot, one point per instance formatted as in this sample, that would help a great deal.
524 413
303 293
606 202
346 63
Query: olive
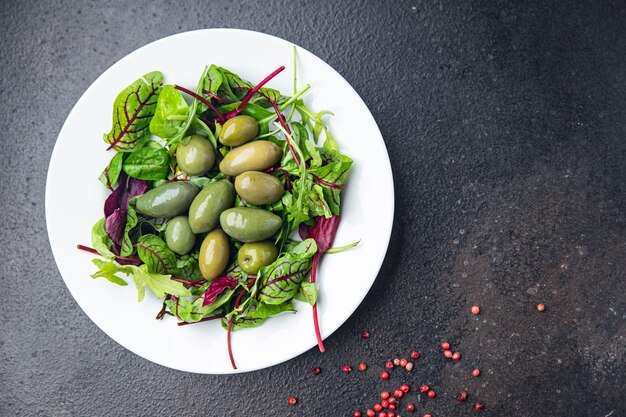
253 256
239 130
258 187
253 156
249 224
167 200
214 253
205 210
178 235
196 157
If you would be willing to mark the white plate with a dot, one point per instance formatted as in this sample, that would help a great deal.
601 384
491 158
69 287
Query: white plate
74 201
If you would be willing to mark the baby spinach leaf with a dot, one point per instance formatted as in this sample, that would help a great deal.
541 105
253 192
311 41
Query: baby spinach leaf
100 240
148 164
153 251
171 113
307 293
282 278
131 221
132 111
112 171
107 270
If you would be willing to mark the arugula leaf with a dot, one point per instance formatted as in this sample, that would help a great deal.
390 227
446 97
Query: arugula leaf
330 177
159 284
107 270
131 221
314 121
100 240
281 279
148 164
171 113
307 293
153 251
132 111
111 173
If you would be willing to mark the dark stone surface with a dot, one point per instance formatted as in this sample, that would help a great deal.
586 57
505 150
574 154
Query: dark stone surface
506 127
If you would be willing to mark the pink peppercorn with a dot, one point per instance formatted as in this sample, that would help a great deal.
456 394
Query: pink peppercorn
456 356
346 368
292 401
409 366
403 362
447 353
377 407
398 394
362 367
476 372
404 388
445 346
424 388
415 354
357 413
475 310
431 394
396 362
479 406
392 407
410 407
384 375
389 365
370 413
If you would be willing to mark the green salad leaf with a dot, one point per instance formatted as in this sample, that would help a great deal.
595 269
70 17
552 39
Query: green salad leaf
307 293
131 222
111 173
153 251
100 240
148 163
132 111
171 113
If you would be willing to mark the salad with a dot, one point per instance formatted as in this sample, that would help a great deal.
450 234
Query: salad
209 189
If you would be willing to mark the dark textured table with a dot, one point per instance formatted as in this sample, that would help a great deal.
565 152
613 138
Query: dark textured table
506 128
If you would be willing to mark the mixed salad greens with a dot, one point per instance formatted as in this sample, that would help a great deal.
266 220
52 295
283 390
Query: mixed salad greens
175 222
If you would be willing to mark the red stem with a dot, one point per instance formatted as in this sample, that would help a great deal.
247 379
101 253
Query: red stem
218 316
252 92
230 324
197 283
95 252
316 323
219 116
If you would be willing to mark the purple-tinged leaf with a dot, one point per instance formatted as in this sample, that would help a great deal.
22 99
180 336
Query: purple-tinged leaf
114 226
323 232
216 287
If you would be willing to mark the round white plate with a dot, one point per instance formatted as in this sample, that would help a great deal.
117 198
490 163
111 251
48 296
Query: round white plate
74 202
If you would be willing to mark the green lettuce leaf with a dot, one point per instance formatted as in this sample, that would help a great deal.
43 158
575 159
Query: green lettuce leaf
153 251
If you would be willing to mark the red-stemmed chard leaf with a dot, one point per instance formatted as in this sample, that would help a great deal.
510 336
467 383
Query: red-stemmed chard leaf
216 287
323 232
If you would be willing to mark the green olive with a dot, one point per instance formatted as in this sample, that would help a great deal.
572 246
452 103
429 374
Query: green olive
178 235
167 200
205 210
239 130
196 157
249 224
253 156
214 253
258 187
252 256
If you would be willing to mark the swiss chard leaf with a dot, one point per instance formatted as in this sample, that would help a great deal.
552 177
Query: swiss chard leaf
330 177
307 293
257 313
153 251
217 286
281 279
187 268
132 111
111 173
100 240
171 113
148 164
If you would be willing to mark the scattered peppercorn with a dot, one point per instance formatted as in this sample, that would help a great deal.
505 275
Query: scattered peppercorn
384 403
427 415
365 334
462 396
415 354
404 388
541 307
409 366
370 413
357 413
396 362
389 365
431 394
384 375
392 406
424 388
292 401
382 414
476 372
392 400
377 407
391 414
362 367
398 394
403 362
384 395
346 368
316 371
447 353
479 406
456 356
410 407
445 346
475 310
